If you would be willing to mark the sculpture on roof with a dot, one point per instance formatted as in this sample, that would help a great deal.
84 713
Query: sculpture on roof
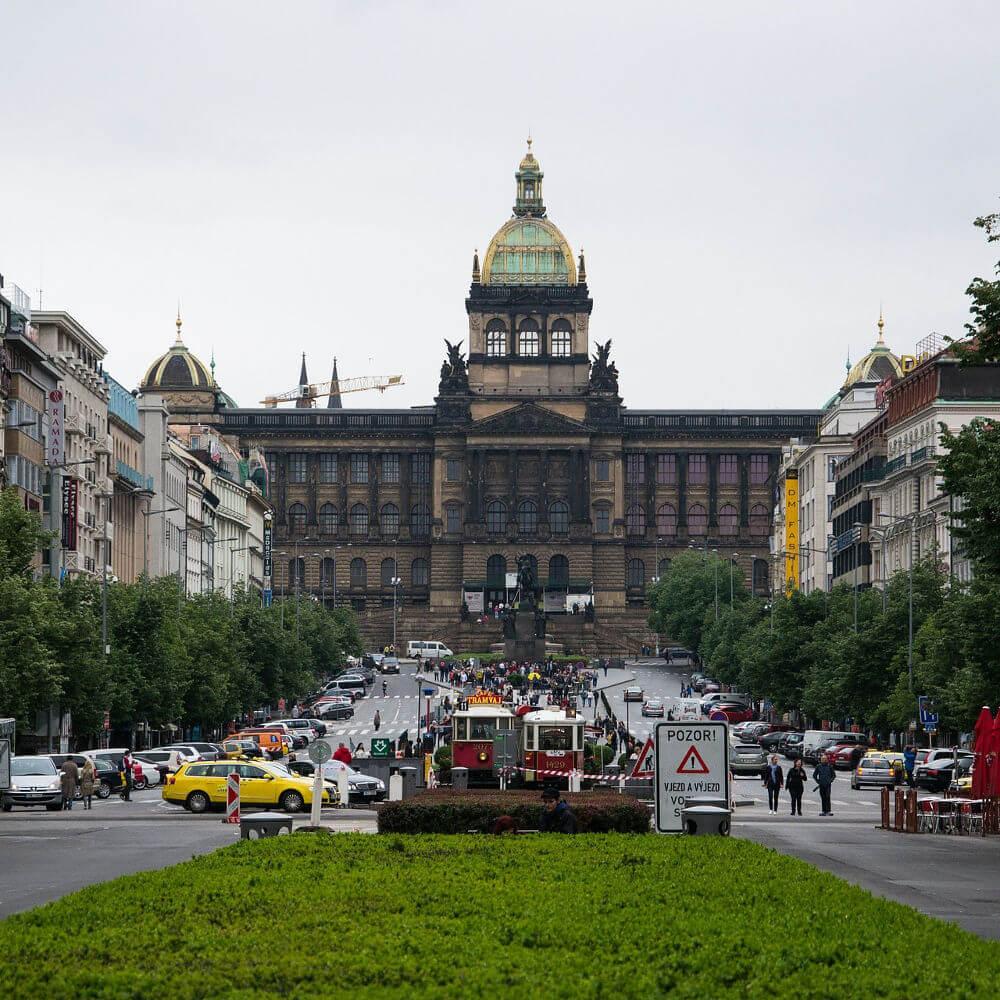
603 373
454 370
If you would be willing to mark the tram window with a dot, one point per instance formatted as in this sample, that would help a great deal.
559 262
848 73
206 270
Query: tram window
482 729
557 738
461 729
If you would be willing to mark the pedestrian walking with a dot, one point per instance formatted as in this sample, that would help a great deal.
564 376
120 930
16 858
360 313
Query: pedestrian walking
909 762
385 688
773 780
127 765
824 776
796 783
377 721
69 778
88 780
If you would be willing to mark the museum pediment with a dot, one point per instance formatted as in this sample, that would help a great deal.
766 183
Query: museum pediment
528 418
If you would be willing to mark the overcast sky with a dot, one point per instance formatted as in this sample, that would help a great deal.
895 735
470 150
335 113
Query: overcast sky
749 180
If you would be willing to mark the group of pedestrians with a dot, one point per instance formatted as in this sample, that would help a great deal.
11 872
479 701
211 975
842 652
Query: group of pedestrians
774 779
73 778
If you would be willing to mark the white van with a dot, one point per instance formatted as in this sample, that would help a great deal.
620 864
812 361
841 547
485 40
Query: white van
812 738
428 650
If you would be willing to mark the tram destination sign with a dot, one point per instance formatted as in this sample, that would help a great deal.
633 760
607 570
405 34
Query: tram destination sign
692 759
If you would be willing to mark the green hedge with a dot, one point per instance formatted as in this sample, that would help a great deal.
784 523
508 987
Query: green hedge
445 811
464 918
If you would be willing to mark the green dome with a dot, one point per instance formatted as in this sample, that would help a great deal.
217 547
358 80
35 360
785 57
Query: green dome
529 251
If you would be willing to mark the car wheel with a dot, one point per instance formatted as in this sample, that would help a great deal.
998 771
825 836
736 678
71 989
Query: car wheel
198 802
102 791
7 806
292 802
140 785
855 785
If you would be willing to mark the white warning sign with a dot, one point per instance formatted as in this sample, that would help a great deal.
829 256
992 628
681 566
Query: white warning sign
691 759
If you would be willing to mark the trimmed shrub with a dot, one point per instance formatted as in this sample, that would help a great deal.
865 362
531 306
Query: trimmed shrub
445 811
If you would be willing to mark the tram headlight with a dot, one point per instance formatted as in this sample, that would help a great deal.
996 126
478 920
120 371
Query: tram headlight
483 756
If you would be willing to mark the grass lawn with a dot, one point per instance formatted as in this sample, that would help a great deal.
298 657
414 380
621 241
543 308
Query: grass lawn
415 917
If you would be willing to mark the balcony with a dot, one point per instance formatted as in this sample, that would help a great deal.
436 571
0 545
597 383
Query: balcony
103 446
891 468
72 424
133 477
921 455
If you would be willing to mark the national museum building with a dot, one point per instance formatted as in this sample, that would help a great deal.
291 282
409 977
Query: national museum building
526 449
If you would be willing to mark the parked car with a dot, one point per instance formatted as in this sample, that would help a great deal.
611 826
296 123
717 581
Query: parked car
876 771
199 786
147 774
847 758
303 727
791 749
354 685
734 711
110 779
938 775
170 759
272 742
34 781
334 708
812 752
774 739
930 757
751 732
238 749
653 708
362 787
188 751
208 751
633 693
746 758
710 699
709 686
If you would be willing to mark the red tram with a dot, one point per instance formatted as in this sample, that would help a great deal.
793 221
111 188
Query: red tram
549 741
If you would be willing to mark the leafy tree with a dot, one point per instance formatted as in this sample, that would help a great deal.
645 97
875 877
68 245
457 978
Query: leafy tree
21 535
984 330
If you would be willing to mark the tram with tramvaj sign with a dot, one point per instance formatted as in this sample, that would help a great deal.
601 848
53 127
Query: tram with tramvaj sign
548 742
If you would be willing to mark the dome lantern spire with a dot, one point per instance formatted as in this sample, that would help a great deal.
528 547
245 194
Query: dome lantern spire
529 187
881 326
178 323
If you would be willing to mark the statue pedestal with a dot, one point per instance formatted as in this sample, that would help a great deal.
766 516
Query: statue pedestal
528 642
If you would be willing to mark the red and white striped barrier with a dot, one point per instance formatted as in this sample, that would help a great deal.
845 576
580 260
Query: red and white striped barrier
563 774
232 798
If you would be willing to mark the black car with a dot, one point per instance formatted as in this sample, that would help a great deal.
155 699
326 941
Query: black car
791 749
109 778
774 741
939 776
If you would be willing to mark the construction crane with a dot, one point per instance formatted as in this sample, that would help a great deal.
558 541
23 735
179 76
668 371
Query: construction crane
337 387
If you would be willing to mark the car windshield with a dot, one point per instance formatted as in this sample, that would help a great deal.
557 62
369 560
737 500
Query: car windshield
878 764
32 765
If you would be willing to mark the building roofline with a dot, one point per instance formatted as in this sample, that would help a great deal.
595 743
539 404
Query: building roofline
63 318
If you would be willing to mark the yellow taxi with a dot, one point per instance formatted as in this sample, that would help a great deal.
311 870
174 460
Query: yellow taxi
239 749
199 786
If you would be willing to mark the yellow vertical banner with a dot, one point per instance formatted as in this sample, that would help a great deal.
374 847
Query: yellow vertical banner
791 530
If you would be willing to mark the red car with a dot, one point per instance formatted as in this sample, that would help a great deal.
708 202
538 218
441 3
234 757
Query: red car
845 756
730 711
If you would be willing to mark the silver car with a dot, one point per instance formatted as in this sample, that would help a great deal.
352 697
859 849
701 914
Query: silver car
746 758
34 781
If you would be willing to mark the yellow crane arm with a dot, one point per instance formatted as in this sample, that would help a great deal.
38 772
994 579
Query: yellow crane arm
337 388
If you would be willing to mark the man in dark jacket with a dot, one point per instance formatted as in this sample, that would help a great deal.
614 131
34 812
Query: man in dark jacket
557 817
774 780
824 776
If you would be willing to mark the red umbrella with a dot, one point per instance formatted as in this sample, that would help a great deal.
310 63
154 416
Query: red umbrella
994 752
982 734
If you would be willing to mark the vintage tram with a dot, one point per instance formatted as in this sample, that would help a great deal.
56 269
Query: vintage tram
549 741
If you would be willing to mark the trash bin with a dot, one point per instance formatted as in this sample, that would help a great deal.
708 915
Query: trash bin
460 779
409 776
707 800
265 824
706 821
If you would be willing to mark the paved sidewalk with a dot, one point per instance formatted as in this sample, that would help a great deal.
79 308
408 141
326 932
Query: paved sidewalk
953 878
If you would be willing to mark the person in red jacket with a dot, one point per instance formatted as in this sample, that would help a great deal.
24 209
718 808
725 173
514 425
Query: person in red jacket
342 754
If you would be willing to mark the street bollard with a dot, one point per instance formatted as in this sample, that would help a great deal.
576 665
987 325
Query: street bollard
702 821
900 809
395 787
574 781
460 779
885 807
911 811
409 781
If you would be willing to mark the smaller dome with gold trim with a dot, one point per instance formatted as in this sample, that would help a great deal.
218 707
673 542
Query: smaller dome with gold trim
878 364
177 370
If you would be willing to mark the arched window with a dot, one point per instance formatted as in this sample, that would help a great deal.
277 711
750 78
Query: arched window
496 339
420 521
760 523
387 572
359 574
389 518
664 568
635 573
496 572
528 339
418 573
697 519
527 517
559 517
729 520
297 519
562 339
296 573
666 520
328 519
635 520
359 519
326 574
761 583
496 517
558 571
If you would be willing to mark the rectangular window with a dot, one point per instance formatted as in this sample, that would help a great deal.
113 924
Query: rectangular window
603 520
603 470
759 471
390 468
297 467
454 520
454 470
666 470
697 470
729 470
328 467
420 469
359 468
635 469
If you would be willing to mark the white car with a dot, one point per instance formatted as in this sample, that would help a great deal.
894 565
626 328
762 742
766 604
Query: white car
303 726
173 757
633 693
34 781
